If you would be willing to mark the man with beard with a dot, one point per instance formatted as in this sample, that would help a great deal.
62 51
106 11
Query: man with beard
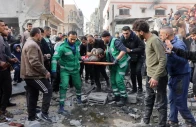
156 82
136 49
116 53
35 75
5 77
47 48
97 69
179 71
26 34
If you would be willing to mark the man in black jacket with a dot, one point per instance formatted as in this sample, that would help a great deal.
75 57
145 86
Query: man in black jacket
97 69
136 48
47 48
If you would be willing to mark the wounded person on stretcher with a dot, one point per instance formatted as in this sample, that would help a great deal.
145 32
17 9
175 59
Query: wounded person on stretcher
96 55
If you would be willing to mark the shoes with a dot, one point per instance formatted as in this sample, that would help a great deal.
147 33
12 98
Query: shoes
14 82
171 124
11 104
62 111
140 91
122 102
46 117
133 91
79 101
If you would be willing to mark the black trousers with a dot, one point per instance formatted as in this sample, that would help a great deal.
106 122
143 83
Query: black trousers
136 74
56 82
5 88
33 88
97 70
160 94
89 73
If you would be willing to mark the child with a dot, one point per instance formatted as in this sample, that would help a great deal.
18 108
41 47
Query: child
17 54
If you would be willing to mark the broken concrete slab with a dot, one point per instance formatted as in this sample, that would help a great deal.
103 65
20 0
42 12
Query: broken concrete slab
132 98
32 124
99 98
76 123
19 88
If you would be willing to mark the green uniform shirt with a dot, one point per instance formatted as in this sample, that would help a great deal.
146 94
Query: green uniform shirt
67 59
155 58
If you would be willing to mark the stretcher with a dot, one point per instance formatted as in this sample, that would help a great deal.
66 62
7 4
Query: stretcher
99 63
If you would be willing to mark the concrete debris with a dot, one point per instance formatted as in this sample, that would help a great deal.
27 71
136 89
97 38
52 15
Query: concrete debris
75 123
84 109
98 98
135 116
132 99
18 112
101 114
32 124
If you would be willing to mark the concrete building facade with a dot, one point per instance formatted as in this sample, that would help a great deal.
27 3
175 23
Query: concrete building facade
118 13
74 19
18 13
102 4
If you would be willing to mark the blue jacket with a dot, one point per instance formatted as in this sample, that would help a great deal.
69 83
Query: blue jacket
177 65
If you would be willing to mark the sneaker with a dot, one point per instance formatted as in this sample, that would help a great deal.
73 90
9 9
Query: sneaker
14 82
63 112
46 117
133 92
140 91
171 124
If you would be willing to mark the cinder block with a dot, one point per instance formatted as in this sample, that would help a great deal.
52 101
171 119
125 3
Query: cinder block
98 98
132 99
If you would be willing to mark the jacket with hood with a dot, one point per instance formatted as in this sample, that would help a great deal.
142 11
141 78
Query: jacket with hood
135 44
16 54
177 65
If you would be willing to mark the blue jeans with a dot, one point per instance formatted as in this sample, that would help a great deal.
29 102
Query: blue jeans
178 91
17 73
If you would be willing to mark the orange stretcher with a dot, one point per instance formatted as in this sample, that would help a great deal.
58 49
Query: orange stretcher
99 63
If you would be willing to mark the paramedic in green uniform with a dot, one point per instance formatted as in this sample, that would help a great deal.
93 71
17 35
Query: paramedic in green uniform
116 53
68 56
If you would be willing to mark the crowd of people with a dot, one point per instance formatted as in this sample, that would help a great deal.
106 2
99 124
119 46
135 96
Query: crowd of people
53 68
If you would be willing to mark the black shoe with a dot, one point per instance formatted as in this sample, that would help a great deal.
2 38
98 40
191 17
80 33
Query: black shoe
46 118
133 91
171 124
116 99
122 101
140 91
11 104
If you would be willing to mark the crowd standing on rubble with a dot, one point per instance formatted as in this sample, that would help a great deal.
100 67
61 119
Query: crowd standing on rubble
53 68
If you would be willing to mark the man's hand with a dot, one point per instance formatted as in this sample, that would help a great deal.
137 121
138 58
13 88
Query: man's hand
13 60
168 44
48 75
128 50
153 83
3 65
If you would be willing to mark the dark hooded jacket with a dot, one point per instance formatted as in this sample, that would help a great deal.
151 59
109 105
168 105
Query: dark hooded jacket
16 54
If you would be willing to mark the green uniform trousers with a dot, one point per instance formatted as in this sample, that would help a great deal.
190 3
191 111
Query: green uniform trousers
76 80
117 75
